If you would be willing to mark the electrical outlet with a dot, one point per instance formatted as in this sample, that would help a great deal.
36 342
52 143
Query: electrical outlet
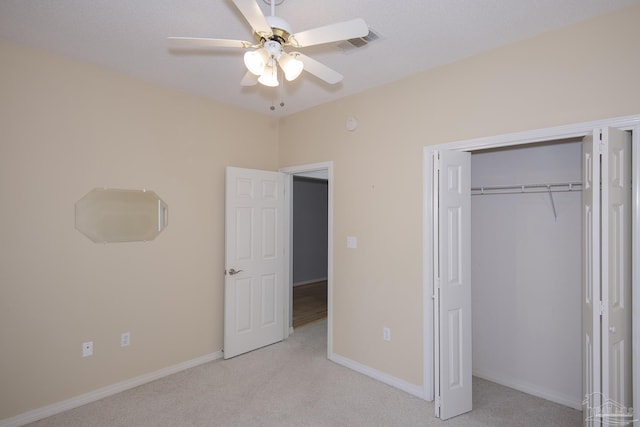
87 348
386 334
125 339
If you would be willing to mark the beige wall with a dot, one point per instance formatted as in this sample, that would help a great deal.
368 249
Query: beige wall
65 128
584 72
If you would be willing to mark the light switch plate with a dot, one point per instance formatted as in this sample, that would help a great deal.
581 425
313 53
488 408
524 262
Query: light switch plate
352 242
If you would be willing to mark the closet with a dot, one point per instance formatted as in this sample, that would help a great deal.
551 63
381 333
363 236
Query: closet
531 267
526 268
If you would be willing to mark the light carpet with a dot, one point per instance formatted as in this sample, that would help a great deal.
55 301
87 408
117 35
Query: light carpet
292 383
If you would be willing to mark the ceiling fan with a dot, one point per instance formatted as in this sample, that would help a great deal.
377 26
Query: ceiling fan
272 34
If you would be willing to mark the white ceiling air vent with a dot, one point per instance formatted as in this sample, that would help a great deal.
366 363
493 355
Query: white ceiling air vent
348 46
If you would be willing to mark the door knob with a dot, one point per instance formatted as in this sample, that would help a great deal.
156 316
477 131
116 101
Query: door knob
233 271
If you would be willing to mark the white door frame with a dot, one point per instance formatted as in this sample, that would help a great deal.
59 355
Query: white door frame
288 243
523 138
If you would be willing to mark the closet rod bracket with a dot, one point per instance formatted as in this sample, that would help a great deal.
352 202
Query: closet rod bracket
553 205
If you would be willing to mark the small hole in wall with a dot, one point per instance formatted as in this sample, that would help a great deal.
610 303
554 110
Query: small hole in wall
352 124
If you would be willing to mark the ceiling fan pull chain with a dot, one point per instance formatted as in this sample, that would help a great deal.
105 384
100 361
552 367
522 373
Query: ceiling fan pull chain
273 107
280 93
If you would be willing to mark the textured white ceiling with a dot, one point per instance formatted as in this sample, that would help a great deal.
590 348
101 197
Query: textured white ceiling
130 37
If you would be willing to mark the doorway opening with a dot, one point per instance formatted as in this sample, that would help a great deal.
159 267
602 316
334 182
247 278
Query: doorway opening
309 248
526 268
524 139
322 173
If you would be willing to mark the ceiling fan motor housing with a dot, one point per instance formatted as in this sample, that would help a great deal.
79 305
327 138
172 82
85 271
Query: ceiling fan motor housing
280 28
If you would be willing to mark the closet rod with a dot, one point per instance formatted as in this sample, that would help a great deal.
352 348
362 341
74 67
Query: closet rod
527 188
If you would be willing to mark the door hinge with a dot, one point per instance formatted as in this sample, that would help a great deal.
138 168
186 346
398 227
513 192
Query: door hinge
437 402
601 308
601 147
436 161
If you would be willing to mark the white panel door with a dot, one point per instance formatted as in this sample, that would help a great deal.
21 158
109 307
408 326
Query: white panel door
607 356
453 284
591 341
616 267
254 260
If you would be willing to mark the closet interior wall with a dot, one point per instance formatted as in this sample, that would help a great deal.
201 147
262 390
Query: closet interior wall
527 271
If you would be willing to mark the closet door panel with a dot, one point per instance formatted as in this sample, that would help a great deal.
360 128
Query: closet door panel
616 290
454 266
607 199
591 339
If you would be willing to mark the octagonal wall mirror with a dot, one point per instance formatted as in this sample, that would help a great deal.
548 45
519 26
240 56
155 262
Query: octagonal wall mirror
114 215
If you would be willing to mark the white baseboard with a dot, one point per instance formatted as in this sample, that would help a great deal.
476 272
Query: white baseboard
92 396
412 389
306 282
531 389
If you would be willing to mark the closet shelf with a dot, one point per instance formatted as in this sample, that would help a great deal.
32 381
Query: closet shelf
558 187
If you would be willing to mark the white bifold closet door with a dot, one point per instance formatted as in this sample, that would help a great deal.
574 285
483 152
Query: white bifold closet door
452 289
607 274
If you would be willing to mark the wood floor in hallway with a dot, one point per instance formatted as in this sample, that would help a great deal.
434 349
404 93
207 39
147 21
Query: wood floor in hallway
309 303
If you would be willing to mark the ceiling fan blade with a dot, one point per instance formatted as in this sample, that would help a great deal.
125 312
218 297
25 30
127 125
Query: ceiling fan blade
330 33
319 70
254 16
249 79
195 43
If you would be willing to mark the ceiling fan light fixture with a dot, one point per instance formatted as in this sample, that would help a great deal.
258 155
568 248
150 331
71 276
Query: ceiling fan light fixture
256 61
291 66
270 76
